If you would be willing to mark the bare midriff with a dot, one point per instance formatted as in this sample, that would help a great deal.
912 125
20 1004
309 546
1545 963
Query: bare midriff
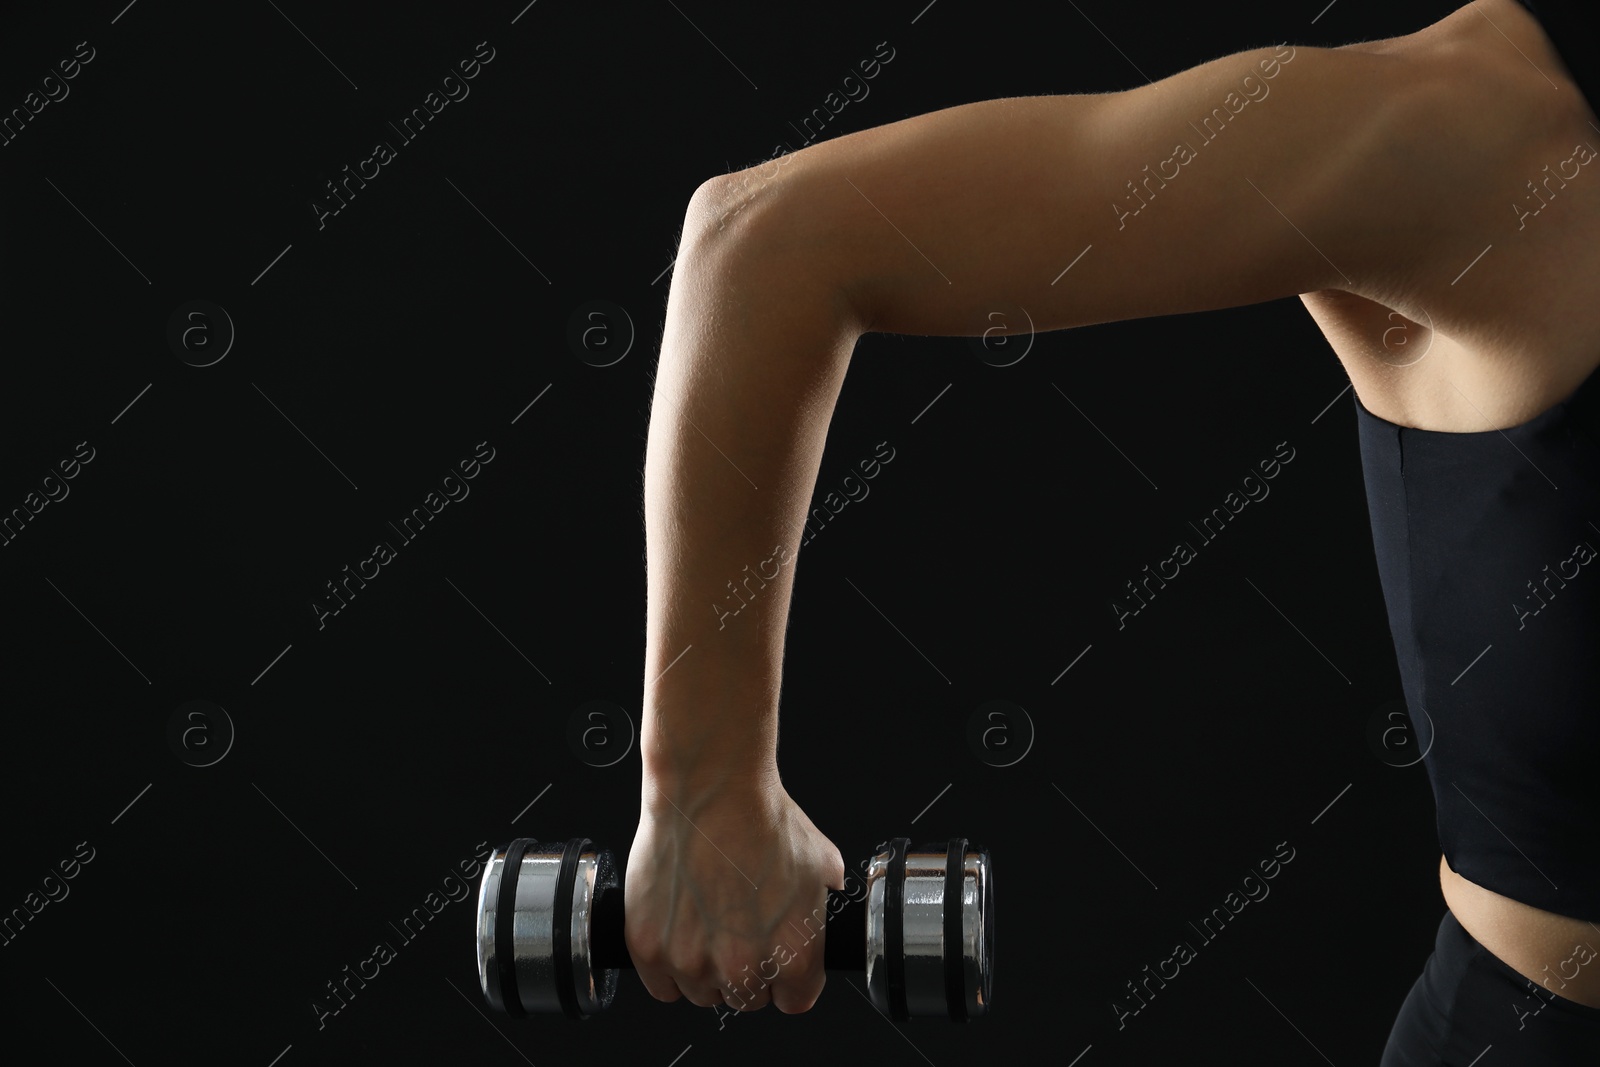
1559 954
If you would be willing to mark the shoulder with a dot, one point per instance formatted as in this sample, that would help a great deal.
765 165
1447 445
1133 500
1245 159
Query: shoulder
1493 151
1361 167
1471 209
1460 118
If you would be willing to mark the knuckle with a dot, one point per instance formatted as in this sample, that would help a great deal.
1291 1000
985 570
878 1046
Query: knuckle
745 983
685 961
646 954
734 965
751 997
644 945
657 984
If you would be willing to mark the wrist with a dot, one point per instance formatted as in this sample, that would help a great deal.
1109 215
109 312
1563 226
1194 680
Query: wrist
710 771
722 743
668 783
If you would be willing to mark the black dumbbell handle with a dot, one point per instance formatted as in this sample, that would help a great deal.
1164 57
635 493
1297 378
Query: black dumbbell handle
844 938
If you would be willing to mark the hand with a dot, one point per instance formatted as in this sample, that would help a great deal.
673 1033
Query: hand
725 896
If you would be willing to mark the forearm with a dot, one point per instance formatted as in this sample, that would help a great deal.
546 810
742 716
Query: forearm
753 354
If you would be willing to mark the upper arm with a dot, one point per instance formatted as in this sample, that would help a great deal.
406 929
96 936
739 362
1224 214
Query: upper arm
1259 175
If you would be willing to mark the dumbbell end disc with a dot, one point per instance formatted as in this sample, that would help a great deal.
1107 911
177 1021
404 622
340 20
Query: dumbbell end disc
945 962
533 937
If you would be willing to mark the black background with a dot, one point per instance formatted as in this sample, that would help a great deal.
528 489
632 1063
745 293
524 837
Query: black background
381 750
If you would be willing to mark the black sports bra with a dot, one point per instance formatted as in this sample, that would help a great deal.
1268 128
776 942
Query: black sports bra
1488 548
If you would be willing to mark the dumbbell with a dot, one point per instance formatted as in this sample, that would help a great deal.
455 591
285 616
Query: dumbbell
550 929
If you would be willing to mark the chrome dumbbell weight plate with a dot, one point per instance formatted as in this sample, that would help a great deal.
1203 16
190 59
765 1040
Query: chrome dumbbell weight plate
534 908
930 930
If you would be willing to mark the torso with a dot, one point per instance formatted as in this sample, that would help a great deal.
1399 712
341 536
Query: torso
1489 348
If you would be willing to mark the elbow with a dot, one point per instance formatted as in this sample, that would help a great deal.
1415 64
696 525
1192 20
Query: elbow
728 203
720 206
761 222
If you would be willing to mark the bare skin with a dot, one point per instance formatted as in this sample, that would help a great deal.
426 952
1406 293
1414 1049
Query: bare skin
1364 180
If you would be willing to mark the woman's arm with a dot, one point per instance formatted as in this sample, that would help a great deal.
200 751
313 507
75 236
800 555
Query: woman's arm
1256 176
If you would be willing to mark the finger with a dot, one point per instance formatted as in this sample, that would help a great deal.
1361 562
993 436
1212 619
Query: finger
800 982
696 981
701 994
747 978
797 986
797 992
659 984
746 991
